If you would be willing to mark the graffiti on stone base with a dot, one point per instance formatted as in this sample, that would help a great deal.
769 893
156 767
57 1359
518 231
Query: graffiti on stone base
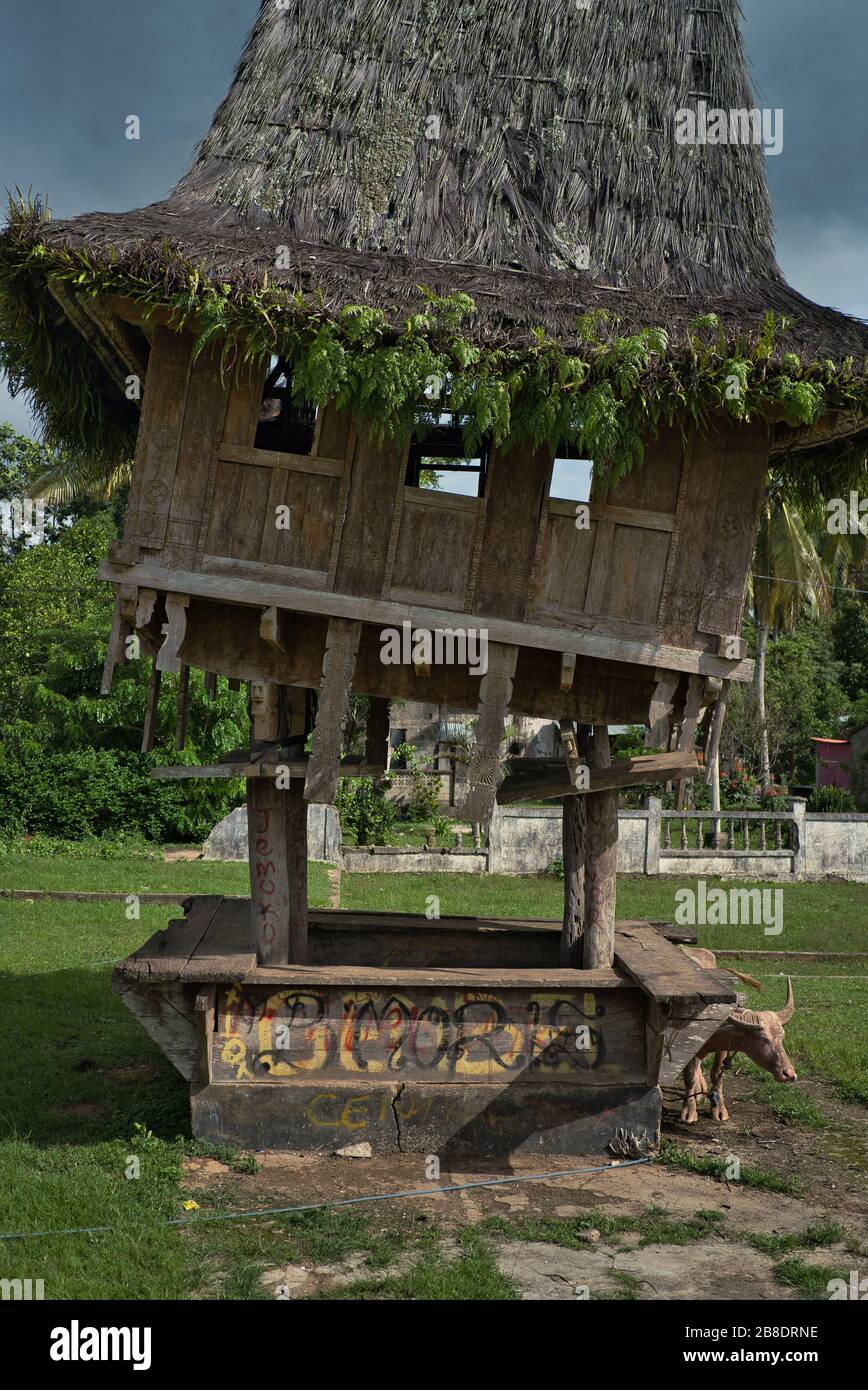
468 1035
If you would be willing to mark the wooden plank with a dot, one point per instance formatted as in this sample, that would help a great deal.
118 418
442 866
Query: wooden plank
436 1034
339 660
495 692
732 530
690 717
531 779
664 971
573 852
226 951
293 463
164 403
244 406
204 416
167 1014
601 860
591 643
164 954
277 855
376 472
601 568
646 520
517 487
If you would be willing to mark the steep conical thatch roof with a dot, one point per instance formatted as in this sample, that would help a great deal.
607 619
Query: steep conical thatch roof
522 152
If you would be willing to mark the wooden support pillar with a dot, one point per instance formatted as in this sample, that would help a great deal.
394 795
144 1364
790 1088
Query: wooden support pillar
277 841
377 735
574 880
495 693
339 663
601 862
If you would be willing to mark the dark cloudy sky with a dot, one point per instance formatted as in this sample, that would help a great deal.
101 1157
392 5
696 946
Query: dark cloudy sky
72 70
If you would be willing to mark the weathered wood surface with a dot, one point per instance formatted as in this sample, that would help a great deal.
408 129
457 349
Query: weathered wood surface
342 643
536 779
517 486
166 1011
478 1121
495 693
164 955
597 640
416 1033
601 860
377 470
277 838
215 942
201 431
573 852
164 402
664 971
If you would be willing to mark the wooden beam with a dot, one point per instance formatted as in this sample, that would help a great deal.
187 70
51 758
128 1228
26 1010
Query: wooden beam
377 734
573 852
712 748
601 862
183 707
174 629
277 841
149 732
546 781
606 646
660 711
339 663
495 692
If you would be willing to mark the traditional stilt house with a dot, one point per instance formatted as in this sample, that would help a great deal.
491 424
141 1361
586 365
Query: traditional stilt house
418 234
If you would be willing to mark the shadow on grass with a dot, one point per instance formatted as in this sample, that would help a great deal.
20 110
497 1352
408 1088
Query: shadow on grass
84 1070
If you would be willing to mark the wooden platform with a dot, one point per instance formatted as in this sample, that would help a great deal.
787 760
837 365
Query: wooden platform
392 1035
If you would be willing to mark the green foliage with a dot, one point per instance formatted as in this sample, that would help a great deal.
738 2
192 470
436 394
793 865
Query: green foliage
831 800
850 643
424 800
364 811
69 762
603 393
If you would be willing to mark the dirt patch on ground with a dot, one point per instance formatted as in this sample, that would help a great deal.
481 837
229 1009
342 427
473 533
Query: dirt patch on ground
721 1263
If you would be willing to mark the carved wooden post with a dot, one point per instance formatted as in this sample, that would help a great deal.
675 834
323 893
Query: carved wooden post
277 842
601 862
574 879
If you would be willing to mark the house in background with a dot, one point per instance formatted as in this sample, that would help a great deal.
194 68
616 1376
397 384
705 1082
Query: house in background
445 736
833 762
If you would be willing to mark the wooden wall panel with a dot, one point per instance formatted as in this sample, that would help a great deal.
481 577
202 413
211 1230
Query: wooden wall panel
205 413
312 500
637 566
435 544
565 566
377 469
518 484
239 511
163 405
653 484
716 530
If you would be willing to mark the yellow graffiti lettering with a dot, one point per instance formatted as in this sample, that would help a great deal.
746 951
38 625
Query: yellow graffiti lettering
349 1110
312 1111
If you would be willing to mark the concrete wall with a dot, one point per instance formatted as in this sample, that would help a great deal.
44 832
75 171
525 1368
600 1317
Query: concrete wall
837 847
527 840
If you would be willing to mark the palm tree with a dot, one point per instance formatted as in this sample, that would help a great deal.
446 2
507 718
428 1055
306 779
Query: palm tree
796 564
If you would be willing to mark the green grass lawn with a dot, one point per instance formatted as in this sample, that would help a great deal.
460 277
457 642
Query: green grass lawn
85 1090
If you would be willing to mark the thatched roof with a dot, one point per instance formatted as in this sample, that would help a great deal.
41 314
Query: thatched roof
367 147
